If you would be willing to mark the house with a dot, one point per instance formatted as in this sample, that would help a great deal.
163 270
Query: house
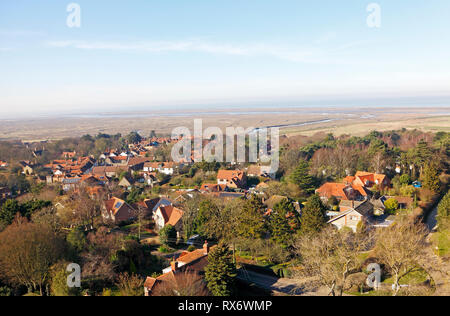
343 191
260 171
351 218
181 196
71 167
118 210
137 163
150 178
209 188
126 182
151 166
117 161
168 168
69 154
94 180
187 263
368 180
27 167
3 164
153 204
168 215
70 183
403 201
146 206
161 202
109 171
234 179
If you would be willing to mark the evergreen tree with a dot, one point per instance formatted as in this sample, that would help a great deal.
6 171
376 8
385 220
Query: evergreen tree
220 272
422 153
431 177
405 179
58 285
168 235
444 212
302 178
9 211
391 205
76 239
133 138
314 216
251 221
283 223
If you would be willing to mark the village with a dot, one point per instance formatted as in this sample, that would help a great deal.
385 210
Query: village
174 214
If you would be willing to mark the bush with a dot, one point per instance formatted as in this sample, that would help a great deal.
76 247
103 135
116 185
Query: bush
168 235
164 249
391 205
407 190
405 179
191 248
107 292
130 285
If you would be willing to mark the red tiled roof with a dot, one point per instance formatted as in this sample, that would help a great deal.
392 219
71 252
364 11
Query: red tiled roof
171 214
338 190
230 175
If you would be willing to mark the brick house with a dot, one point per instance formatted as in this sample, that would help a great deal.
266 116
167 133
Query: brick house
234 179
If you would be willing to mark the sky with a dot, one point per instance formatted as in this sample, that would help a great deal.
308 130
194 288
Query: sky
159 54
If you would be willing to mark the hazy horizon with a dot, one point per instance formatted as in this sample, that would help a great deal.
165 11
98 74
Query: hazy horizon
158 55
218 107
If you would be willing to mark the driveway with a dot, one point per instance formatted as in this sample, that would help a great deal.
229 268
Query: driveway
282 286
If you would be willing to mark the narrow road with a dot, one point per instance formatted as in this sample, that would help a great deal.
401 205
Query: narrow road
439 270
286 286
431 221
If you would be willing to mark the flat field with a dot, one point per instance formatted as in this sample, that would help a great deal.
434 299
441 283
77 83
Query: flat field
292 121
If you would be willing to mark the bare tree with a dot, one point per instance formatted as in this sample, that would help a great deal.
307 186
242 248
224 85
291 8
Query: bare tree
27 251
130 285
332 255
140 212
400 247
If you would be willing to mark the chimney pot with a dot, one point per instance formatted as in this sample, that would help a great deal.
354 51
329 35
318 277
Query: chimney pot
206 247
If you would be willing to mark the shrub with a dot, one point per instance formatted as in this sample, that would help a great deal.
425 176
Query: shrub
191 248
168 235
405 179
130 285
391 205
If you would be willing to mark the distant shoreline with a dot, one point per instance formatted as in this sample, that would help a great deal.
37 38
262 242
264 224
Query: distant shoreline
292 121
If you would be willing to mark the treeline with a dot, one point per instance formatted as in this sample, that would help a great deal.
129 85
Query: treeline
332 158
84 146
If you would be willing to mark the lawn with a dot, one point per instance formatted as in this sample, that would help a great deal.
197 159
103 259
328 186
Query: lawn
416 276
443 243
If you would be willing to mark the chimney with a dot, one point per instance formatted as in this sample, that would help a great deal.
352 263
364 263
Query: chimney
174 265
206 247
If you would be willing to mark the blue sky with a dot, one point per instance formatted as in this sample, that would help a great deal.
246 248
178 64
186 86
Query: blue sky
153 54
